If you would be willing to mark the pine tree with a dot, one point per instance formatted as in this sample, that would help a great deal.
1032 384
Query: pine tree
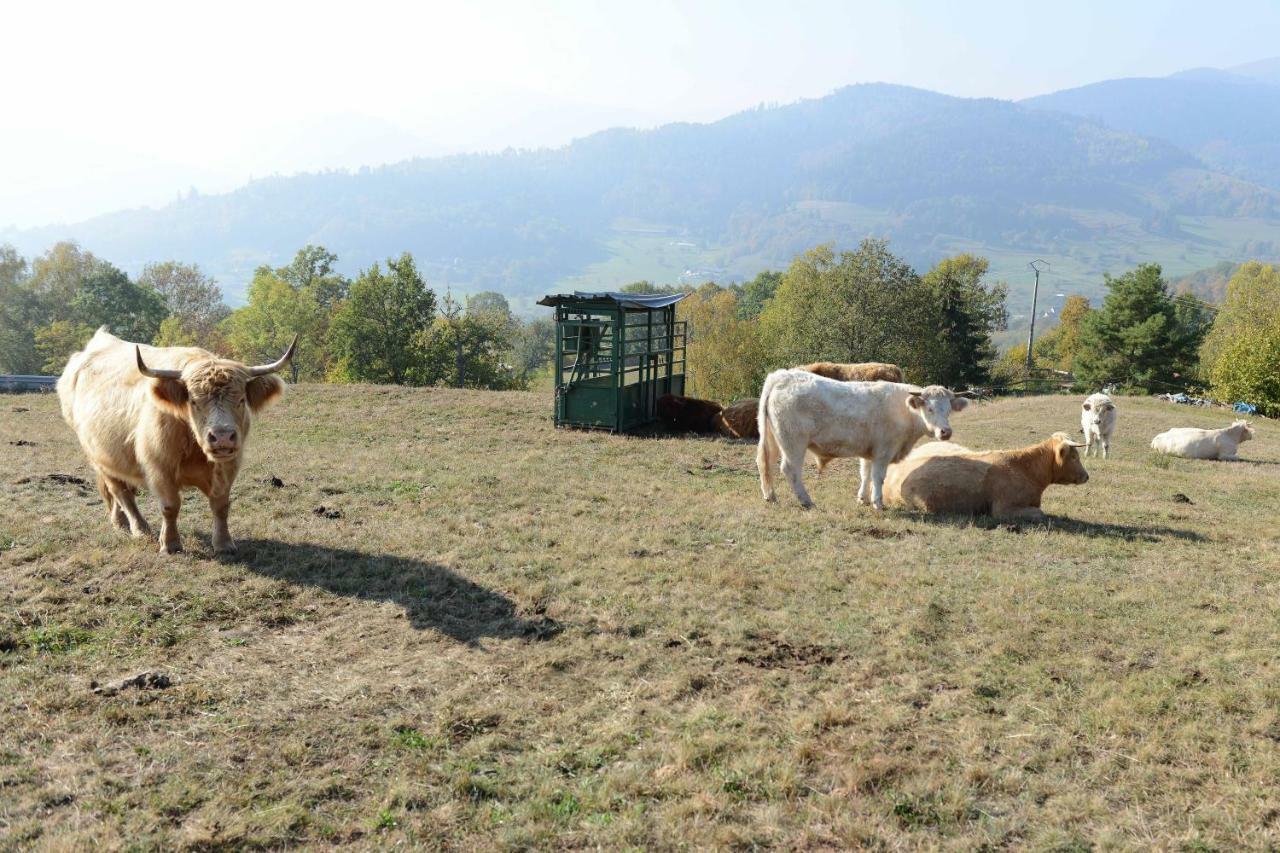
1140 337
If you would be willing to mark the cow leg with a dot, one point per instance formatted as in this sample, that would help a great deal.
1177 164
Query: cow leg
114 512
220 480
793 470
1106 447
220 504
124 497
879 467
170 502
1025 513
766 458
864 481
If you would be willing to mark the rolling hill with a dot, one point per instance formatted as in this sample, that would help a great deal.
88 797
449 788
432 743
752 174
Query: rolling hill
688 202
1228 120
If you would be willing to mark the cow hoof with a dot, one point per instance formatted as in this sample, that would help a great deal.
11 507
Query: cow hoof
170 548
227 547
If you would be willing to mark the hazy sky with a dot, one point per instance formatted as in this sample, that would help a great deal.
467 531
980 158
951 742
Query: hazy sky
109 105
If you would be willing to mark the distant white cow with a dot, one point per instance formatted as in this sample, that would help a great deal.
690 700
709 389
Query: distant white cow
878 422
1203 443
1098 422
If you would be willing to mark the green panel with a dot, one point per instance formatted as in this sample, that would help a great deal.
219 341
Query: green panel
590 404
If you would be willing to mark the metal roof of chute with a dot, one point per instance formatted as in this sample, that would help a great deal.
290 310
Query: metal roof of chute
639 301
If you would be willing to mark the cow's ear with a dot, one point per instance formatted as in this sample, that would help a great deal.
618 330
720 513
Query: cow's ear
171 394
958 403
261 390
1063 452
915 401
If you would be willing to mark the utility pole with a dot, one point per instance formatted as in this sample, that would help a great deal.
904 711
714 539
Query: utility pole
1035 296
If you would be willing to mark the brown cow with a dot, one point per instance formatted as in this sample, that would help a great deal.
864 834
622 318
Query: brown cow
868 371
740 420
166 418
942 477
688 414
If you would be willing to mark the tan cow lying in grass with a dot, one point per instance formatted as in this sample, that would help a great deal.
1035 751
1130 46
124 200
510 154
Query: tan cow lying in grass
1196 443
739 420
866 371
165 418
943 477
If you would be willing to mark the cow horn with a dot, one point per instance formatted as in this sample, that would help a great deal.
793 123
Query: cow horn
153 373
264 369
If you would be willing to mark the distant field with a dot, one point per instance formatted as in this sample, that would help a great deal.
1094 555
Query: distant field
1076 266
512 636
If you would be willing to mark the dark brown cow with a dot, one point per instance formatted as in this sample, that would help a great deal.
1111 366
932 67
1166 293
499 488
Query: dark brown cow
688 414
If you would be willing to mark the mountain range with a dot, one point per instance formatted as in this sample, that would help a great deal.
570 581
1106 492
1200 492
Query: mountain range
1182 170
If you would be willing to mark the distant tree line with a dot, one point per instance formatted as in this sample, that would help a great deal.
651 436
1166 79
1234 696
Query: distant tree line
388 326
385 326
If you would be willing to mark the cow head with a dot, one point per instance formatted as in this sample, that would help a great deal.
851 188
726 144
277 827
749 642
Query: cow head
934 405
1068 470
1243 431
1095 410
215 395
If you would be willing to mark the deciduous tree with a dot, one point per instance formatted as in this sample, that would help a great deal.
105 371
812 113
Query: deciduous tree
378 332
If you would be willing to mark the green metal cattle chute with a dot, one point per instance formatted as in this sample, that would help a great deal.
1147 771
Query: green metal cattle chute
616 354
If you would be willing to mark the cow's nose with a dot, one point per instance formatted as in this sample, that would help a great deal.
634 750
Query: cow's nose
944 434
222 437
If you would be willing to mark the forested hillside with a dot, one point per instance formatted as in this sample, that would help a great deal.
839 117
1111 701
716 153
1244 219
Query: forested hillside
933 174
1229 121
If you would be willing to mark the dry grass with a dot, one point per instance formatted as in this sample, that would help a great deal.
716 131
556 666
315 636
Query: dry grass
518 637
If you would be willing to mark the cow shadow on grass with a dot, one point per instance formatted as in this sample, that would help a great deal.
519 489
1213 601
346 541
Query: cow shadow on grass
432 596
1139 533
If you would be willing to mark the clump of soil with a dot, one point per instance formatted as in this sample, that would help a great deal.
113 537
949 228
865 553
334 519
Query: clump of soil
141 681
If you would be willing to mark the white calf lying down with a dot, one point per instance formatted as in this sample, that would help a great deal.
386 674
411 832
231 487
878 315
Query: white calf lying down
1203 443
878 422
1098 422
940 477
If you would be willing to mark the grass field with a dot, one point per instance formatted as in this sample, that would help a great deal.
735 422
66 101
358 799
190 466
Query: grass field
496 634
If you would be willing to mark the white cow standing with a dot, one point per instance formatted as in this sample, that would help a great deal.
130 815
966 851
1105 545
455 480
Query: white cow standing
1098 422
878 422
1196 443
